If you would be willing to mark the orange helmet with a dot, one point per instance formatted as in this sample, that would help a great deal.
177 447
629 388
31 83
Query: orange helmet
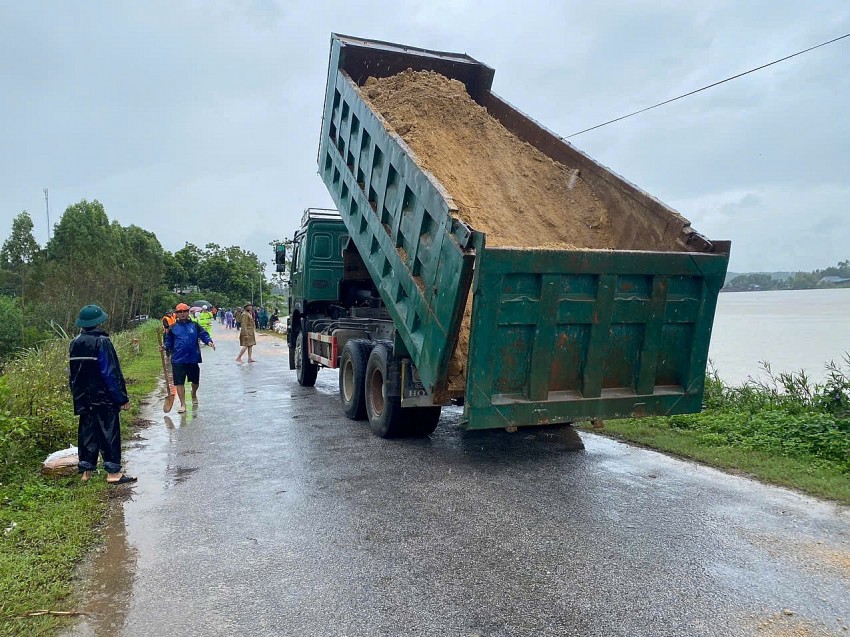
182 307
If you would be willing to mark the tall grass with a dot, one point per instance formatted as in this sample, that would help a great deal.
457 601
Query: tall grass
784 413
36 411
47 524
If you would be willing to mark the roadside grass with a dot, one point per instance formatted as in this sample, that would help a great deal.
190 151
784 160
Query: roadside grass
47 525
785 431
806 474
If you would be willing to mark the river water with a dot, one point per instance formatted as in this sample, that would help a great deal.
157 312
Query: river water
790 329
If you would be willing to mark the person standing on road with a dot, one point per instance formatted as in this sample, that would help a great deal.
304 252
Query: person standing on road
228 320
100 393
247 337
181 344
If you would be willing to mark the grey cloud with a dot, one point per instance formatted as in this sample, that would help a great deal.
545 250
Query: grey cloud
200 121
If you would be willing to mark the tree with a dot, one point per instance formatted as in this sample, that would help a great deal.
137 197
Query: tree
90 260
175 274
189 257
20 248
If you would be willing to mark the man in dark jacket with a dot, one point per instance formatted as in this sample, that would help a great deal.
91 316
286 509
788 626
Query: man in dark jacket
97 385
181 344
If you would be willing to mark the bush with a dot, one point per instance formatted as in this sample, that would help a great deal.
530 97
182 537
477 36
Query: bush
786 415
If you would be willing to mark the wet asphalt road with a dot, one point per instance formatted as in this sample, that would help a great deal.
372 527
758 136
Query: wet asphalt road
267 512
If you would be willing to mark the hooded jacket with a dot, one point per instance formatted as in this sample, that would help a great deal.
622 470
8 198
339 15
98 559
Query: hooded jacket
95 377
205 319
181 342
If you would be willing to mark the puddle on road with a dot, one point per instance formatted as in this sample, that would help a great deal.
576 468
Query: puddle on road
129 532
181 474
110 572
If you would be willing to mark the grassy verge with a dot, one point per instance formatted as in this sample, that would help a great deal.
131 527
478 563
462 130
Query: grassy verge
47 525
786 431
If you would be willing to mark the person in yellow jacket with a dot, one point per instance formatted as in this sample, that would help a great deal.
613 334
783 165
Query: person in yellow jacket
205 319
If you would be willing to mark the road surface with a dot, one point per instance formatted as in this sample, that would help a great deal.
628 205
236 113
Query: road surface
266 512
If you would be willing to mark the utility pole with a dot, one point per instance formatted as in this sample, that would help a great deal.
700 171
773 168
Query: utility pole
261 290
47 209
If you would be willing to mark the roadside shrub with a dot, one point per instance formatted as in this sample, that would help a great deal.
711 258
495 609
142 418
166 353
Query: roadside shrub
784 414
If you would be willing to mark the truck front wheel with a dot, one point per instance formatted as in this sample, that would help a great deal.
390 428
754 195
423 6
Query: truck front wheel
305 369
384 411
352 378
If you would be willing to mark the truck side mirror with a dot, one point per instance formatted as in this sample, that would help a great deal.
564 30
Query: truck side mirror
280 257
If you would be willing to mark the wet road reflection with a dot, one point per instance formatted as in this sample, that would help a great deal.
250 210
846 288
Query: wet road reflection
265 512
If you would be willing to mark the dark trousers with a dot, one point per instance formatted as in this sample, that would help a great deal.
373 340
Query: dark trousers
99 432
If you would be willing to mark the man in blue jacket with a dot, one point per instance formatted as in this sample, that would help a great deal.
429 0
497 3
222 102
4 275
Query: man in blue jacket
97 385
181 344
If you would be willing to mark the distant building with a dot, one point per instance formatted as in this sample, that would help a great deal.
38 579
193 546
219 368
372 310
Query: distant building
187 290
833 280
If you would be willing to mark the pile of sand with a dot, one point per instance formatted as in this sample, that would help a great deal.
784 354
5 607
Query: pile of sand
502 186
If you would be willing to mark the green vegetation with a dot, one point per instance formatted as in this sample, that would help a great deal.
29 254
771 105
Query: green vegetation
831 277
123 269
227 276
786 430
48 524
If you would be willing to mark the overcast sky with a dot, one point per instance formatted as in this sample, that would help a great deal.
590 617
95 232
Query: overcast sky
199 121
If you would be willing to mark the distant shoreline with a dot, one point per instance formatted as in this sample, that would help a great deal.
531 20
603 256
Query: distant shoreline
835 287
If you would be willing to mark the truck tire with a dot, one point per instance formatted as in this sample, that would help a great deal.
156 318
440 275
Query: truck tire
352 377
384 412
424 420
305 369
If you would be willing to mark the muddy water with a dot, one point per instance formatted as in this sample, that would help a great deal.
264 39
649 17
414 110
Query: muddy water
792 330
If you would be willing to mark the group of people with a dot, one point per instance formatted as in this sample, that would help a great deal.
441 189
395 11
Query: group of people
263 320
98 387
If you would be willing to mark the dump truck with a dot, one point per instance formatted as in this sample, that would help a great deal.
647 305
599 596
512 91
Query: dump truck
406 299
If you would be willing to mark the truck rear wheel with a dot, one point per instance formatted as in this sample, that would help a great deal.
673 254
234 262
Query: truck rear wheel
424 420
352 378
305 369
384 411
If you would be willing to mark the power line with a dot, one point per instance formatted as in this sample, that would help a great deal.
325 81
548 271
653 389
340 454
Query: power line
758 68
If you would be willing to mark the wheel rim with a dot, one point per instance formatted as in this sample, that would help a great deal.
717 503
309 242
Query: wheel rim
376 393
298 347
348 380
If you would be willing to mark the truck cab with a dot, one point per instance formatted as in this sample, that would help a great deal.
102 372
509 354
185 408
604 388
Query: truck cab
339 321
317 264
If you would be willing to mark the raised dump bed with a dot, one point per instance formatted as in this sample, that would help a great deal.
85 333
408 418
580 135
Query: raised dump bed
609 318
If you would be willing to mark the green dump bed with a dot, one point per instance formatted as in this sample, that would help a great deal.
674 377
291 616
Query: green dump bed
556 335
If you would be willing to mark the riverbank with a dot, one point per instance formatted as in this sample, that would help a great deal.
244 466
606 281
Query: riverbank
785 431
47 525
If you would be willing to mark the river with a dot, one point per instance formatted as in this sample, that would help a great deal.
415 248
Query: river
791 329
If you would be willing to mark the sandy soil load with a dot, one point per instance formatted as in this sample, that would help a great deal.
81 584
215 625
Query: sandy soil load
502 186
